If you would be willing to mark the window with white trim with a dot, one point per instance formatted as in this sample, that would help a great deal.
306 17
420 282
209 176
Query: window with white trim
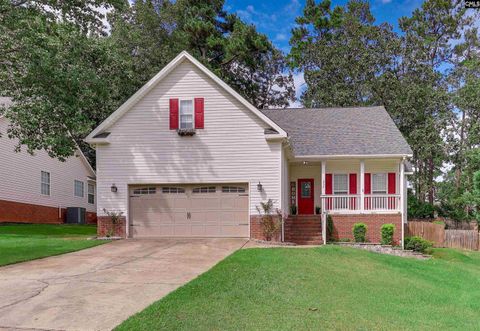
379 183
45 183
186 114
145 190
173 190
91 193
340 184
204 189
78 189
233 189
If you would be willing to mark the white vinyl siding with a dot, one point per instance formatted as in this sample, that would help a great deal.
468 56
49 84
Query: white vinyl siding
340 184
186 114
78 189
91 193
22 171
231 149
45 183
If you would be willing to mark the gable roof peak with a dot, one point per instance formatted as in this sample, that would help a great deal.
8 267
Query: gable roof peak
127 105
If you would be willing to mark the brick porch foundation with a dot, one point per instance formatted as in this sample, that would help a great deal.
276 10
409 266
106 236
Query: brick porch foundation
343 225
105 227
256 229
17 212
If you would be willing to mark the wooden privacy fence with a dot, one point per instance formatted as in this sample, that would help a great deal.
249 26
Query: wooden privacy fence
429 231
463 239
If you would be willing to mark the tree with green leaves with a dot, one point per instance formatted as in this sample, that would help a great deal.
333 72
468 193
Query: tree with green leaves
55 66
464 133
341 52
66 74
154 31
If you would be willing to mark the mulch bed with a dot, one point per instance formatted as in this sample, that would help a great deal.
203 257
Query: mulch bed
385 249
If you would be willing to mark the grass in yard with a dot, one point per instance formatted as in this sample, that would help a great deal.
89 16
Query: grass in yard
323 288
26 242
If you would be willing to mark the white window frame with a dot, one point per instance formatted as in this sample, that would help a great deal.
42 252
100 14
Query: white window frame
75 181
233 189
147 190
49 185
204 189
180 114
386 183
346 192
90 194
173 190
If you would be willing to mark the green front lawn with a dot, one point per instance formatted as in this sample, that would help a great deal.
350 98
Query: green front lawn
323 288
26 242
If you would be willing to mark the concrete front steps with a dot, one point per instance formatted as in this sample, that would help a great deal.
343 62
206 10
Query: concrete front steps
304 229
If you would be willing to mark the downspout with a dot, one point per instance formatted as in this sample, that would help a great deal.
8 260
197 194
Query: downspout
324 227
402 200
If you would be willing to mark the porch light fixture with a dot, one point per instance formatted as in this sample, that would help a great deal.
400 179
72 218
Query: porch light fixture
113 188
259 187
305 162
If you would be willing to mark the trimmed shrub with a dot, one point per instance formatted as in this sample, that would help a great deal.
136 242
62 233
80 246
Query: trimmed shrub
419 209
417 244
360 232
387 234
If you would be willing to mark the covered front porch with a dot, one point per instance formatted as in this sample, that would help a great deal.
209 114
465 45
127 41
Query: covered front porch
350 190
346 186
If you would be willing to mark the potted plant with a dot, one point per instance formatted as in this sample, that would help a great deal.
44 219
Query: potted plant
317 210
293 210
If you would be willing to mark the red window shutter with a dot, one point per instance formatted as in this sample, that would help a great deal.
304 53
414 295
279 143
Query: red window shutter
392 185
368 184
353 184
199 113
173 114
328 184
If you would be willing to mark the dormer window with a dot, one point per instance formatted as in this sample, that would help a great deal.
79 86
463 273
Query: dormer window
186 114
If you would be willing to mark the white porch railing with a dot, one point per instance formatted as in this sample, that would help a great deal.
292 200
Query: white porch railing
352 202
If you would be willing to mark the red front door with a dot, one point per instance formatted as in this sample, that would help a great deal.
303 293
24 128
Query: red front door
305 197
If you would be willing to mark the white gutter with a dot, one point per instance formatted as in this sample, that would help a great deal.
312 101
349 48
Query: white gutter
350 156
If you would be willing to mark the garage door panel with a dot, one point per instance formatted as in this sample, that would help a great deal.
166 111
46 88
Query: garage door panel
182 230
241 203
232 231
183 213
213 231
206 202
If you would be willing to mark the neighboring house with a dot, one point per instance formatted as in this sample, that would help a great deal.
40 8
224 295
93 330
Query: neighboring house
37 188
188 156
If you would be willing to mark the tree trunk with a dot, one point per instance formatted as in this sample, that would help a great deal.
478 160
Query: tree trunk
430 180
460 154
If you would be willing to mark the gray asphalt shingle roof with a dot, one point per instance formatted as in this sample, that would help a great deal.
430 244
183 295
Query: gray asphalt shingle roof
340 131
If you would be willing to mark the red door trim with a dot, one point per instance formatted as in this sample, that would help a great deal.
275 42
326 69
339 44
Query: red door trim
306 206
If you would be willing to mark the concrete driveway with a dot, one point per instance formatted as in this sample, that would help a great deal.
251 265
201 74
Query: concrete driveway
98 288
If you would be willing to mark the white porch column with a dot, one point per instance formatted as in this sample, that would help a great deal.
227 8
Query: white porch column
322 192
402 197
322 203
362 185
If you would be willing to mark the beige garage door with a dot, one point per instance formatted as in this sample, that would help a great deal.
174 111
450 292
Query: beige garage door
189 211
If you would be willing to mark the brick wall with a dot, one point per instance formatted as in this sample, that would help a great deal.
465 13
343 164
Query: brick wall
256 229
105 226
343 225
17 212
